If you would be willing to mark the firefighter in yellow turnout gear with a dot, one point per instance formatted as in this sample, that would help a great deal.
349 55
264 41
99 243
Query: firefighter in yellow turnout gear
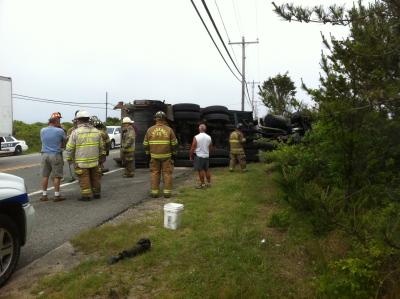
160 143
128 147
85 149
98 124
237 154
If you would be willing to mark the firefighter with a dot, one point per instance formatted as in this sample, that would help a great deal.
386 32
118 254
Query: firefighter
236 141
97 123
69 132
85 149
128 147
160 143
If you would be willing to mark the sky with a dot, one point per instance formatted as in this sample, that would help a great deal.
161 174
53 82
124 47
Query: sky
77 50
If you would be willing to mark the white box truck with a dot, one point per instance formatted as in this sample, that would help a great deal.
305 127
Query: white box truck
6 112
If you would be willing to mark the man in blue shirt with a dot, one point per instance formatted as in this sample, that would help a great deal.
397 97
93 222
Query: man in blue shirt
53 140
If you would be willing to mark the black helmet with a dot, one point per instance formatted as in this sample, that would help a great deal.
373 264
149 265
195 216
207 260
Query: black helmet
160 115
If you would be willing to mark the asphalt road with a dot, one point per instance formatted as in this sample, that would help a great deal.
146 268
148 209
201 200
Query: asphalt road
58 222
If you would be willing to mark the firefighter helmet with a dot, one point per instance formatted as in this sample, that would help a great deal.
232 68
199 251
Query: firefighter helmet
95 121
160 115
82 114
127 120
55 115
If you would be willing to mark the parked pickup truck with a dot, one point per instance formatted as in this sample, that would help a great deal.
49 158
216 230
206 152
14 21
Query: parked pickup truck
16 219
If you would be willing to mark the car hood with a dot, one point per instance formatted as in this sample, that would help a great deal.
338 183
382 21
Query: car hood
11 185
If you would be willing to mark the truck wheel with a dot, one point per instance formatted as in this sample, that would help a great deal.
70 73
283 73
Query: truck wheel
216 117
186 107
18 150
9 247
181 115
215 109
112 146
219 162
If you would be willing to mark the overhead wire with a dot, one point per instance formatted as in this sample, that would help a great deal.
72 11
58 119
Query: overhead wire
57 103
219 35
226 31
60 101
236 17
215 44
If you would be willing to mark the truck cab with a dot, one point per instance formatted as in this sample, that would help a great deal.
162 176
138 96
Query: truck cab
16 220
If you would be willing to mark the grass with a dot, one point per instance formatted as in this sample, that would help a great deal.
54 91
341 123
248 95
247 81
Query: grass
217 252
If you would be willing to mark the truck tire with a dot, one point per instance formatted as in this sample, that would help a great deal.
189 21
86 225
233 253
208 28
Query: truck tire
216 117
215 109
277 121
219 153
181 115
218 162
183 163
186 107
9 247
183 155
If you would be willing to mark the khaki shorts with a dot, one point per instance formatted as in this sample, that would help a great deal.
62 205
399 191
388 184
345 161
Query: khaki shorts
52 164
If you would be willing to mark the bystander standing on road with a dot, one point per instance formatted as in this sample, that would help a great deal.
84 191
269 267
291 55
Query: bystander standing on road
200 154
53 140
85 149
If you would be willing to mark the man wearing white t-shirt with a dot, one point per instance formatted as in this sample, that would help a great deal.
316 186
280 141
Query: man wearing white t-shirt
200 153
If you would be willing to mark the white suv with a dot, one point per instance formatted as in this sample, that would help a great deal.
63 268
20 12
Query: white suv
16 219
114 132
11 145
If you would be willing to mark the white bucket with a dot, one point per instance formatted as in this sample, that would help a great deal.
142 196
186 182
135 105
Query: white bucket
172 215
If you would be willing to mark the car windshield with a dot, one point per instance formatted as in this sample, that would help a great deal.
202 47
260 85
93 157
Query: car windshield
110 130
9 139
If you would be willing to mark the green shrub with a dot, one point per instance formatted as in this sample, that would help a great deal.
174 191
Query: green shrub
350 278
280 220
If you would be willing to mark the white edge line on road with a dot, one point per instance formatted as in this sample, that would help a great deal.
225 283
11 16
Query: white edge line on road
74 182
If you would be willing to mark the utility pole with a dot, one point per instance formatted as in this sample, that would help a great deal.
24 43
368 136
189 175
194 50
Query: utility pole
243 43
253 83
106 105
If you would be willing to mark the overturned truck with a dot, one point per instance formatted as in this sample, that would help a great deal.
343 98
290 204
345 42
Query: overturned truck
184 120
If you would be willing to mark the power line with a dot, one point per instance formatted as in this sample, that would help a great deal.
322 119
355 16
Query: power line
56 103
219 35
236 17
208 31
226 31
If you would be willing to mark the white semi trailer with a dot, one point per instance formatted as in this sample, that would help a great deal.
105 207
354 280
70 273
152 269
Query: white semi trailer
6 111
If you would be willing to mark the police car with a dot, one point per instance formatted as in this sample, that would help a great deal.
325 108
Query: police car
16 219
10 144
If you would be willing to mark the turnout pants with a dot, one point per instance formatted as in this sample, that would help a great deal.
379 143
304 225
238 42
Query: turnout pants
163 167
89 180
237 158
128 160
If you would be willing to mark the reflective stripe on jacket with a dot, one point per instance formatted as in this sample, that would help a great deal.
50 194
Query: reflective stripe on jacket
236 141
128 139
85 146
160 141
